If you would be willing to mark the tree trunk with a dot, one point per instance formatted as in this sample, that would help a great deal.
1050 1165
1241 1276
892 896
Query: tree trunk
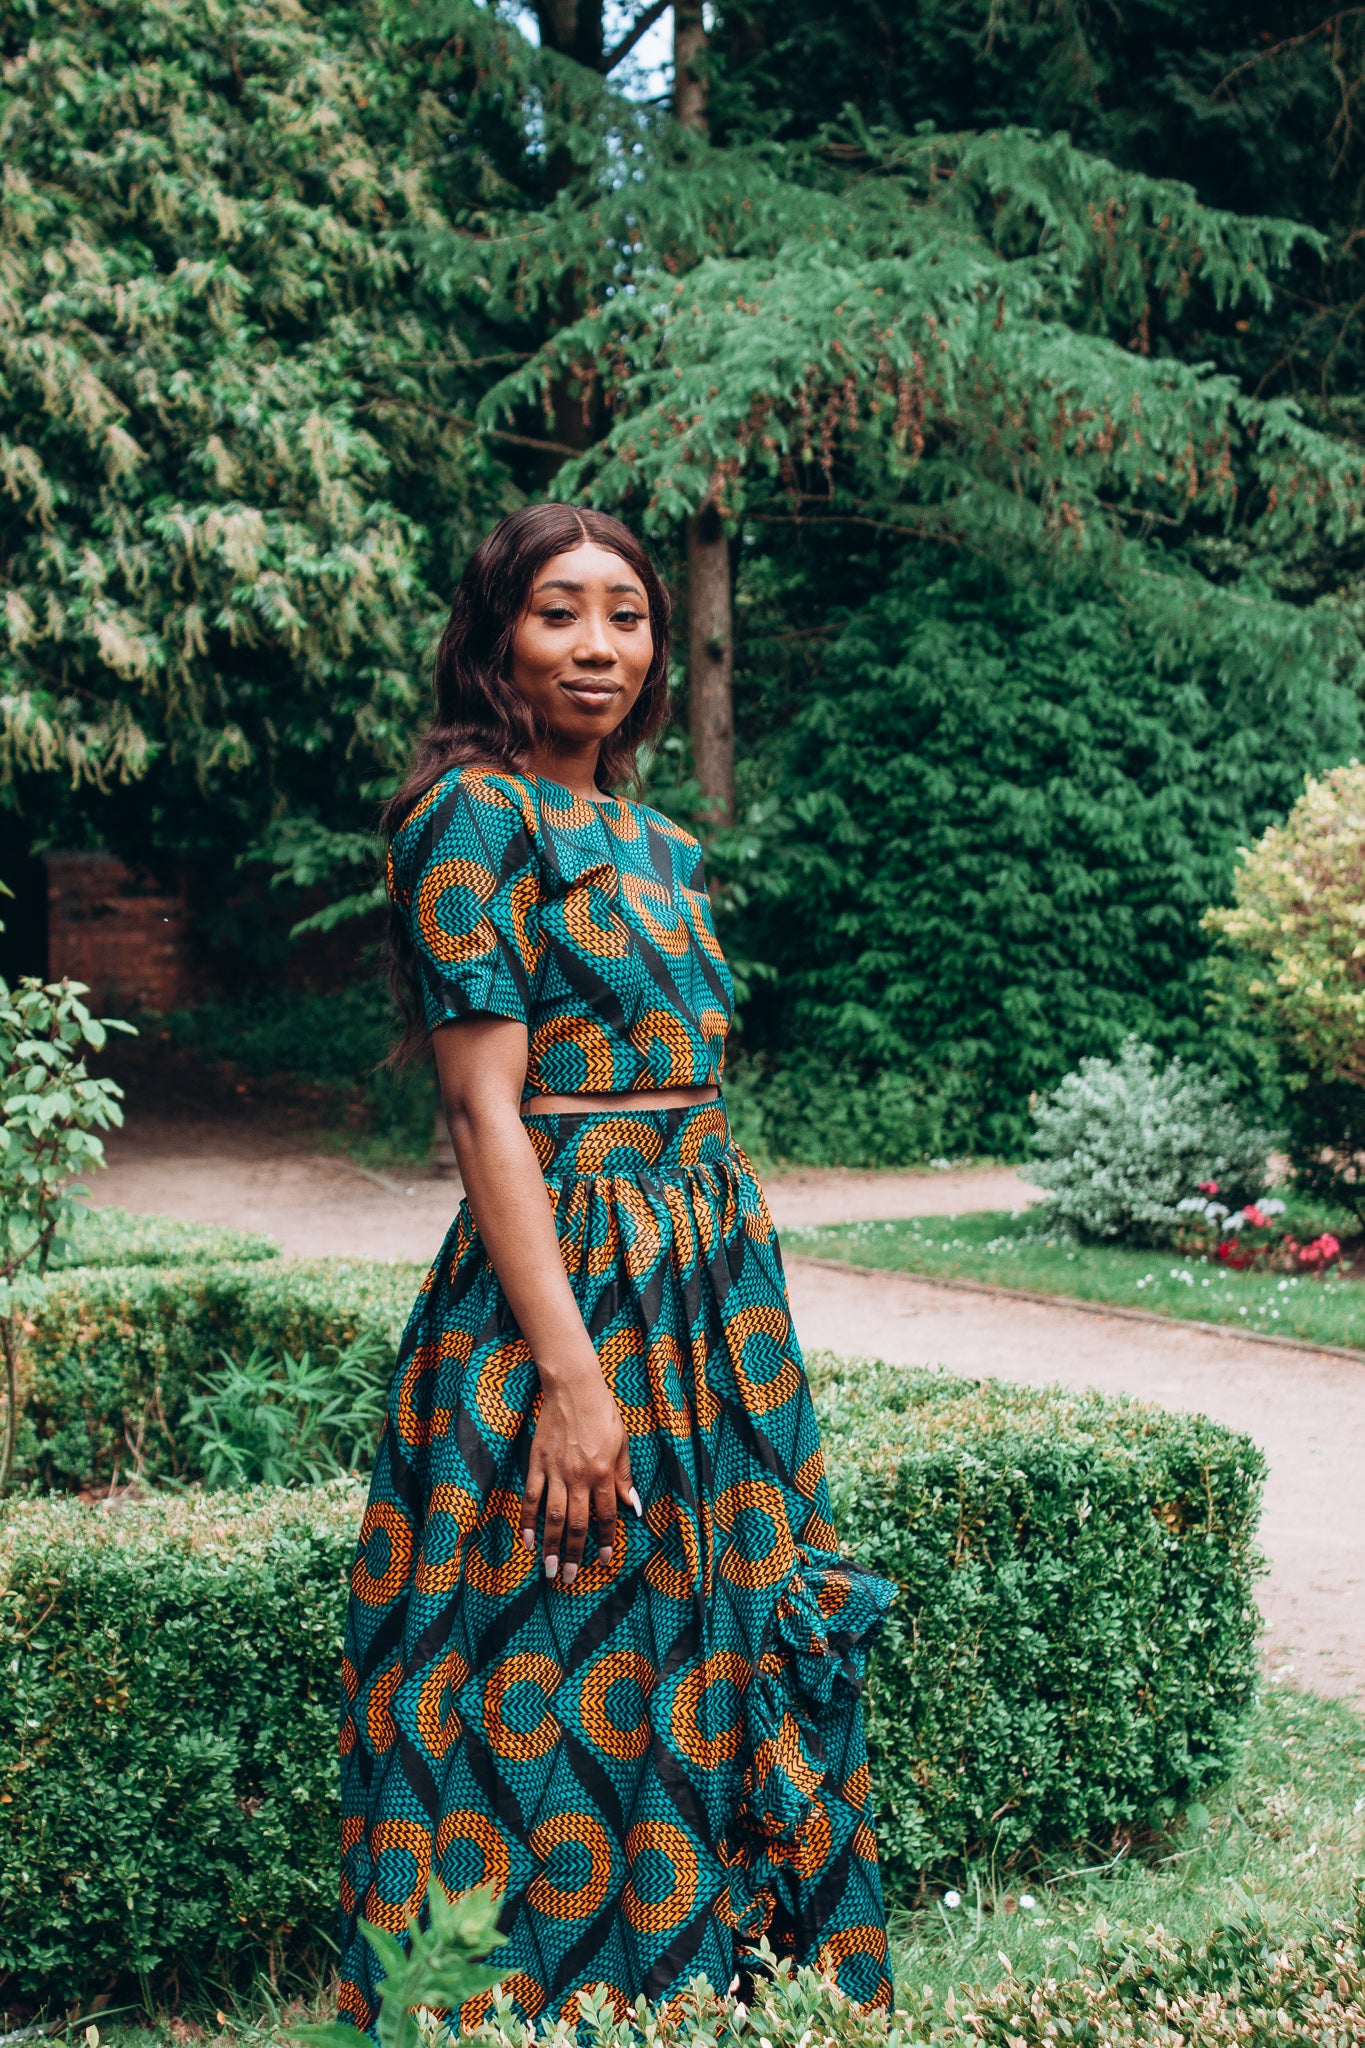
710 644
689 82
573 27
710 662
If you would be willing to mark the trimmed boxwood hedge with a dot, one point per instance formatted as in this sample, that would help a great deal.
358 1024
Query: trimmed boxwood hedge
1075 1642
118 1349
1074 1646
122 1237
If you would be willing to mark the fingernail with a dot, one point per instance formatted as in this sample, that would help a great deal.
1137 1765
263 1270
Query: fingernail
634 1499
570 1572
604 1556
528 1539
551 1567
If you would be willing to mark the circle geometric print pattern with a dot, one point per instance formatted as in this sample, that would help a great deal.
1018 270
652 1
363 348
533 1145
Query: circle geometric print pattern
665 1761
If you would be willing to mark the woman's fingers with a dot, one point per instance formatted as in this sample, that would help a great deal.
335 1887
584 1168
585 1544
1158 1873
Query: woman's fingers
604 1514
530 1504
556 1502
625 1485
575 1533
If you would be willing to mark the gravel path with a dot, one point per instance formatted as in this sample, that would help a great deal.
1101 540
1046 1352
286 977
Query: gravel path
1307 1412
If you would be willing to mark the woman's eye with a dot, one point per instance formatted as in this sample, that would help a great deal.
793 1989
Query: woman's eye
556 611
626 617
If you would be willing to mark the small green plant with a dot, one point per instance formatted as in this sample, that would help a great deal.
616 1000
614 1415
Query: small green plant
286 1421
444 1964
51 1109
1120 1143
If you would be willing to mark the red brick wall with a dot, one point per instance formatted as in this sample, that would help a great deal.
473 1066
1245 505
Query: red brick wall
108 928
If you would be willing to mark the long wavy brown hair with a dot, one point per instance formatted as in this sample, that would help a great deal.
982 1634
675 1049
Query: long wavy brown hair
482 720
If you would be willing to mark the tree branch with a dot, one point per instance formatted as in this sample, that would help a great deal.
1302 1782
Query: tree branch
641 26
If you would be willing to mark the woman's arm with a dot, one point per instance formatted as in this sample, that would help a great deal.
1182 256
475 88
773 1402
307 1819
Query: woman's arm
580 1459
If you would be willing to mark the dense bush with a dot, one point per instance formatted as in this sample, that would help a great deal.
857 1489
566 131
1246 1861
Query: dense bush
805 1113
999 817
167 1734
1293 961
286 1421
120 1350
332 1044
1075 1641
1073 1647
1121 1143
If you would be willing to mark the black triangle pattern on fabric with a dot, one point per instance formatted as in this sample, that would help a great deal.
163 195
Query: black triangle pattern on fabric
664 1761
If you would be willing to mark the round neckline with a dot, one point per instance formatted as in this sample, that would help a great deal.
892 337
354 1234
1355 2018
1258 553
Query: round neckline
549 783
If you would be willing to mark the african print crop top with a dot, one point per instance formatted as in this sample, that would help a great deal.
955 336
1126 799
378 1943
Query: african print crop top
589 923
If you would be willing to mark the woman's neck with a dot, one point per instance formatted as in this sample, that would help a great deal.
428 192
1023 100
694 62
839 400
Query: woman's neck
573 770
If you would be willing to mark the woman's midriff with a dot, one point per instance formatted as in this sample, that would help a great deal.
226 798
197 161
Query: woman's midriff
639 1098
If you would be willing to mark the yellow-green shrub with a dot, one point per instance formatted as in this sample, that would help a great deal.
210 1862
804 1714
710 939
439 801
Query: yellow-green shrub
1299 918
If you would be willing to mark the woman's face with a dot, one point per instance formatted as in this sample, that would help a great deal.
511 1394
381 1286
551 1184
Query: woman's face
581 649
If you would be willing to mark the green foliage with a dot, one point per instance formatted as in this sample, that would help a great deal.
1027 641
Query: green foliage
1075 1642
119 1237
792 2006
999 817
801 1112
1004 1249
1241 1987
234 472
1251 106
445 1962
51 1112
119 1352
1292 960
1073 1646
1120 1144
333 1042
266 1421
168 1735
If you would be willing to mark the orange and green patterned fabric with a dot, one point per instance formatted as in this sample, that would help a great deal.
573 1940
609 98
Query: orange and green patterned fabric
663 1762
587 922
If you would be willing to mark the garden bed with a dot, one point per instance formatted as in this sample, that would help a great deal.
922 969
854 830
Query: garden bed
1004 1250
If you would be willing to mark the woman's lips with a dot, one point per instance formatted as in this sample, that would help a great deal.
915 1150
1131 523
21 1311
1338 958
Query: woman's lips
593 696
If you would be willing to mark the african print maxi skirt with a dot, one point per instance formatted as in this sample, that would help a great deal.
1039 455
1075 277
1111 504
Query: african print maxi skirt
664 1761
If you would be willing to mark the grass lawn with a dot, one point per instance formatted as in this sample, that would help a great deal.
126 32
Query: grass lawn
1008 1251
1280 1844
1283 1840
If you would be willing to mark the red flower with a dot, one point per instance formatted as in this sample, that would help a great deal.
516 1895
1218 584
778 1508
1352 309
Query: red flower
1208 1187
1257 1218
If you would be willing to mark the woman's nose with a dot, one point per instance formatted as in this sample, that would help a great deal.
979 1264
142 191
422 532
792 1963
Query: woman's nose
595 643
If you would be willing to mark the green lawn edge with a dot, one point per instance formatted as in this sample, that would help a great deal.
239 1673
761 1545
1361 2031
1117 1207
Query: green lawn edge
1002 1249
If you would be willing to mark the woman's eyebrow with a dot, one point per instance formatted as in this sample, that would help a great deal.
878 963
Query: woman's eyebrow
564 583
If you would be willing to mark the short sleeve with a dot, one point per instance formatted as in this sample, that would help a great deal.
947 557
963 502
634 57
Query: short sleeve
463 871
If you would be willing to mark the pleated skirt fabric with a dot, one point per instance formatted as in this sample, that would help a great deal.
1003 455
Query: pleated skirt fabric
665 1761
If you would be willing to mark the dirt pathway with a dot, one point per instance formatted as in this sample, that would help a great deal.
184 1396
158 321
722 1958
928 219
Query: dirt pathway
1307 1412
239 1173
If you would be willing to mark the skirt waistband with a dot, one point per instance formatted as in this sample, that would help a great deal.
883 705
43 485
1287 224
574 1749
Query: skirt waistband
621 1144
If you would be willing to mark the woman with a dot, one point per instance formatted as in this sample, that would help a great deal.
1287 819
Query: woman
602 1653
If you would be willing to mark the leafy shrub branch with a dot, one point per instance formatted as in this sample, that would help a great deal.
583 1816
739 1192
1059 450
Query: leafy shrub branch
51 1110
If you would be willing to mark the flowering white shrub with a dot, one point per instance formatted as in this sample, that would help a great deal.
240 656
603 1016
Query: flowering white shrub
1121 1143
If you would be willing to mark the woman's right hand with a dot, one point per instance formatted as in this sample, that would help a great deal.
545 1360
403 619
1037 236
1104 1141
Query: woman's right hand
578 1469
